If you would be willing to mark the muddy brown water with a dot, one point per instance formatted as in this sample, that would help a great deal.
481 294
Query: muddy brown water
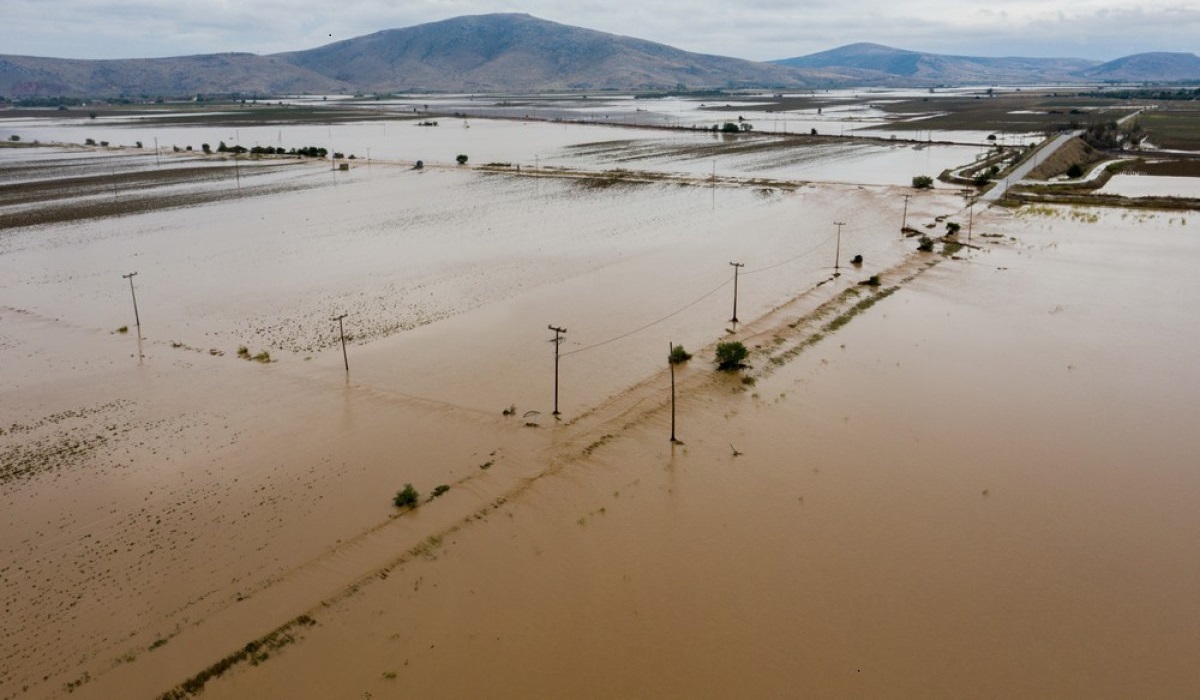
978 487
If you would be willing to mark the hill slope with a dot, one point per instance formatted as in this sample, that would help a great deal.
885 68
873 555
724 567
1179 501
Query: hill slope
518 52
888 65
32 76
1157 66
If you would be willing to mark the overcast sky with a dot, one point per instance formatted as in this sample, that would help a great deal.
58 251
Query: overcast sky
752 29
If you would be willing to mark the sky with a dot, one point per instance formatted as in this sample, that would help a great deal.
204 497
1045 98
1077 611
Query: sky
758 30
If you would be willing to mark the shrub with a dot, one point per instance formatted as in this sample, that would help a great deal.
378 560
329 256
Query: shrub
1075 171
439 490
730 355
953 227
461 158
407 497
730 128
925 244
678 355
922 182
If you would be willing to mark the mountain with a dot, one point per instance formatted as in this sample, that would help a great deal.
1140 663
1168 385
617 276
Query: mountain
520 53
890 66
32 76
517 52
1158 66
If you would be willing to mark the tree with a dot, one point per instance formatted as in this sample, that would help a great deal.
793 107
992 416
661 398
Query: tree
462 159
678 355
730 128
1075 171
922 182
953 227
406 497
730 355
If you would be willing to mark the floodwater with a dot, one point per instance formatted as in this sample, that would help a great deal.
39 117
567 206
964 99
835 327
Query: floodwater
978 487
1152 186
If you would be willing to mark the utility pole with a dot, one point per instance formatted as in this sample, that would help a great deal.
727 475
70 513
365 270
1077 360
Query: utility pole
671 362
342 333
137 319
904 218
837 255
558 332
970 218
736 267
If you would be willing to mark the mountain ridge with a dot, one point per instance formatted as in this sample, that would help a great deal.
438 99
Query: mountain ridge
514 52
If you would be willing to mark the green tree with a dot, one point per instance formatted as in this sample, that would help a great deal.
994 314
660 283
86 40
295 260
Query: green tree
462 159
730 355
1076 170
407 497
730 128
922 182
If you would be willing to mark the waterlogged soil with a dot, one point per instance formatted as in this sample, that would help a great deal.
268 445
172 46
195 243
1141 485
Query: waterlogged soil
926 487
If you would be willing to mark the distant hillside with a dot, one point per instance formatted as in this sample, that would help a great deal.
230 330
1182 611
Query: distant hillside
31 76
520 53
1148 67
517 52
886 65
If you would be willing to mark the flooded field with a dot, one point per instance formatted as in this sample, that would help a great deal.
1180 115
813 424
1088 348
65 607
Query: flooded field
929 487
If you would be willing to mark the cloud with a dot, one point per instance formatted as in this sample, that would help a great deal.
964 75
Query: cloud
754 29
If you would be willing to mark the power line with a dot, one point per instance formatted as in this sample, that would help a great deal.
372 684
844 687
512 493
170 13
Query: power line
692 303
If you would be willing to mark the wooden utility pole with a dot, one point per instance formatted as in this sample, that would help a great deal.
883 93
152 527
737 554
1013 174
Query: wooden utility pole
558 333
904 217
736 267
136 319
671 362
837 255
342 333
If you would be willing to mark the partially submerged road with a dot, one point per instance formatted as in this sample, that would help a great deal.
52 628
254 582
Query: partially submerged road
1001 187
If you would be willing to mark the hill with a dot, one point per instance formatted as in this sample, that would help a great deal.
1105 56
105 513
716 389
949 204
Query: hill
887 65
520 53
1157 66
32 76
517 52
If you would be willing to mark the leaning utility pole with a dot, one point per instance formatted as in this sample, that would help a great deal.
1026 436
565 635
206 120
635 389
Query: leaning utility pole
558 332
837 255
671 362
904 217
736 267
137 319
342 333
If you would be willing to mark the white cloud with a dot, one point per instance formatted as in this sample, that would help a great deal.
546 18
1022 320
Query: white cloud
754 29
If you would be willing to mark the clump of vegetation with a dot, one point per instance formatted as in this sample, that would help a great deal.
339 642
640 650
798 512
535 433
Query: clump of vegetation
872 281
263 357
925 244
922 182
123 329
730 355
407 497
678 355
1075 171
953 227
439 490
461 158
243 352
951 247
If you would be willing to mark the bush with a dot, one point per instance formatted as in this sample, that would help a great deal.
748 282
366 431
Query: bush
925 244
953 227
407 497
730 128
462 159
678 355
922 182
443 488
730 355
1075 171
